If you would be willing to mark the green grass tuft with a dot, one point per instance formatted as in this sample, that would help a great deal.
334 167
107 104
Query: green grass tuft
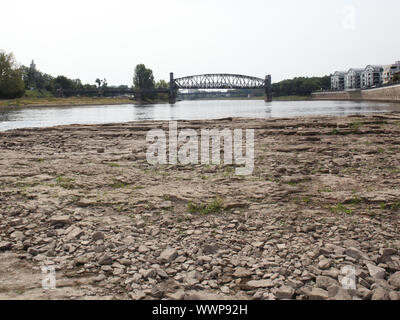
213 207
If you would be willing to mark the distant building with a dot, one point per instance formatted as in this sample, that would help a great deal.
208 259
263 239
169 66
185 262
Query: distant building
371 76
389 71
353 79
33 66
337 80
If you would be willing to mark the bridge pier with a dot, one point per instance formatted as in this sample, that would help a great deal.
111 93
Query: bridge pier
172 92
268 88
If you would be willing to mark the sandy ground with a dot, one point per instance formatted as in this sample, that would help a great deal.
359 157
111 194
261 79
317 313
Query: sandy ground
324 194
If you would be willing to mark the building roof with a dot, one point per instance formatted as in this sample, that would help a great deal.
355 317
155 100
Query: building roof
374 67
356 70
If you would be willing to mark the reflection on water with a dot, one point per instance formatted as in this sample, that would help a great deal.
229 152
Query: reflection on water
13 118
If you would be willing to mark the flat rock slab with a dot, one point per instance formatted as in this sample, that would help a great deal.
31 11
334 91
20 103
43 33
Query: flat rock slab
260 284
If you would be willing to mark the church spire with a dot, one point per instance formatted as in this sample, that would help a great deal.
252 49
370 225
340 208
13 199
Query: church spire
33 65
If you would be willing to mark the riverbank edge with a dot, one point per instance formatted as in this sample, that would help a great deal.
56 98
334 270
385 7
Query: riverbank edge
385 94
122 103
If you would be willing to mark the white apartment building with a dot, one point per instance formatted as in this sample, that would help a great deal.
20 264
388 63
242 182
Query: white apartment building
352 79
371 76
337 80
389 71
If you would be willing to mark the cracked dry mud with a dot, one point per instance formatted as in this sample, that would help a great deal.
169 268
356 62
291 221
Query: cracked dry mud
324 194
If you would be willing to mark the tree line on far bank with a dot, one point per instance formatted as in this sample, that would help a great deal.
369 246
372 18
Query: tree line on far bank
11 83
301 86
15 81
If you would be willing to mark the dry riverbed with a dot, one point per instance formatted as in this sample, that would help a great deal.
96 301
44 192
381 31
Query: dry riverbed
324 194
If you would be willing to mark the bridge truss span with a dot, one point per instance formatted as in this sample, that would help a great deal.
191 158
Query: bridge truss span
219 81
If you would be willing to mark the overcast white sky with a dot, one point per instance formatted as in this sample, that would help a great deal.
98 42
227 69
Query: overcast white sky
88 39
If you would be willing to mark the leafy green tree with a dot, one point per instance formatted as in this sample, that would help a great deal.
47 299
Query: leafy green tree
143 78
62 82
162 84
36 80
300 86
77 83
396 77
11 83
89 86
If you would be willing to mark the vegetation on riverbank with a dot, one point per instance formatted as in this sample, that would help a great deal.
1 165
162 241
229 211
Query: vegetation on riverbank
11 83
53 101
24 86
301 86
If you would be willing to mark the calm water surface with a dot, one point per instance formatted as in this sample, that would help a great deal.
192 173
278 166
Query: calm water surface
184 110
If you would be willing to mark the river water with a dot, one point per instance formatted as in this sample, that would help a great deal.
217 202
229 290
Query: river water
19 117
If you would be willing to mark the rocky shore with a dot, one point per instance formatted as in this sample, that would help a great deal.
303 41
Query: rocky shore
324 195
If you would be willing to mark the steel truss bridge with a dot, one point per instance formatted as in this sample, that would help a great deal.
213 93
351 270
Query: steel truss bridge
219 81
